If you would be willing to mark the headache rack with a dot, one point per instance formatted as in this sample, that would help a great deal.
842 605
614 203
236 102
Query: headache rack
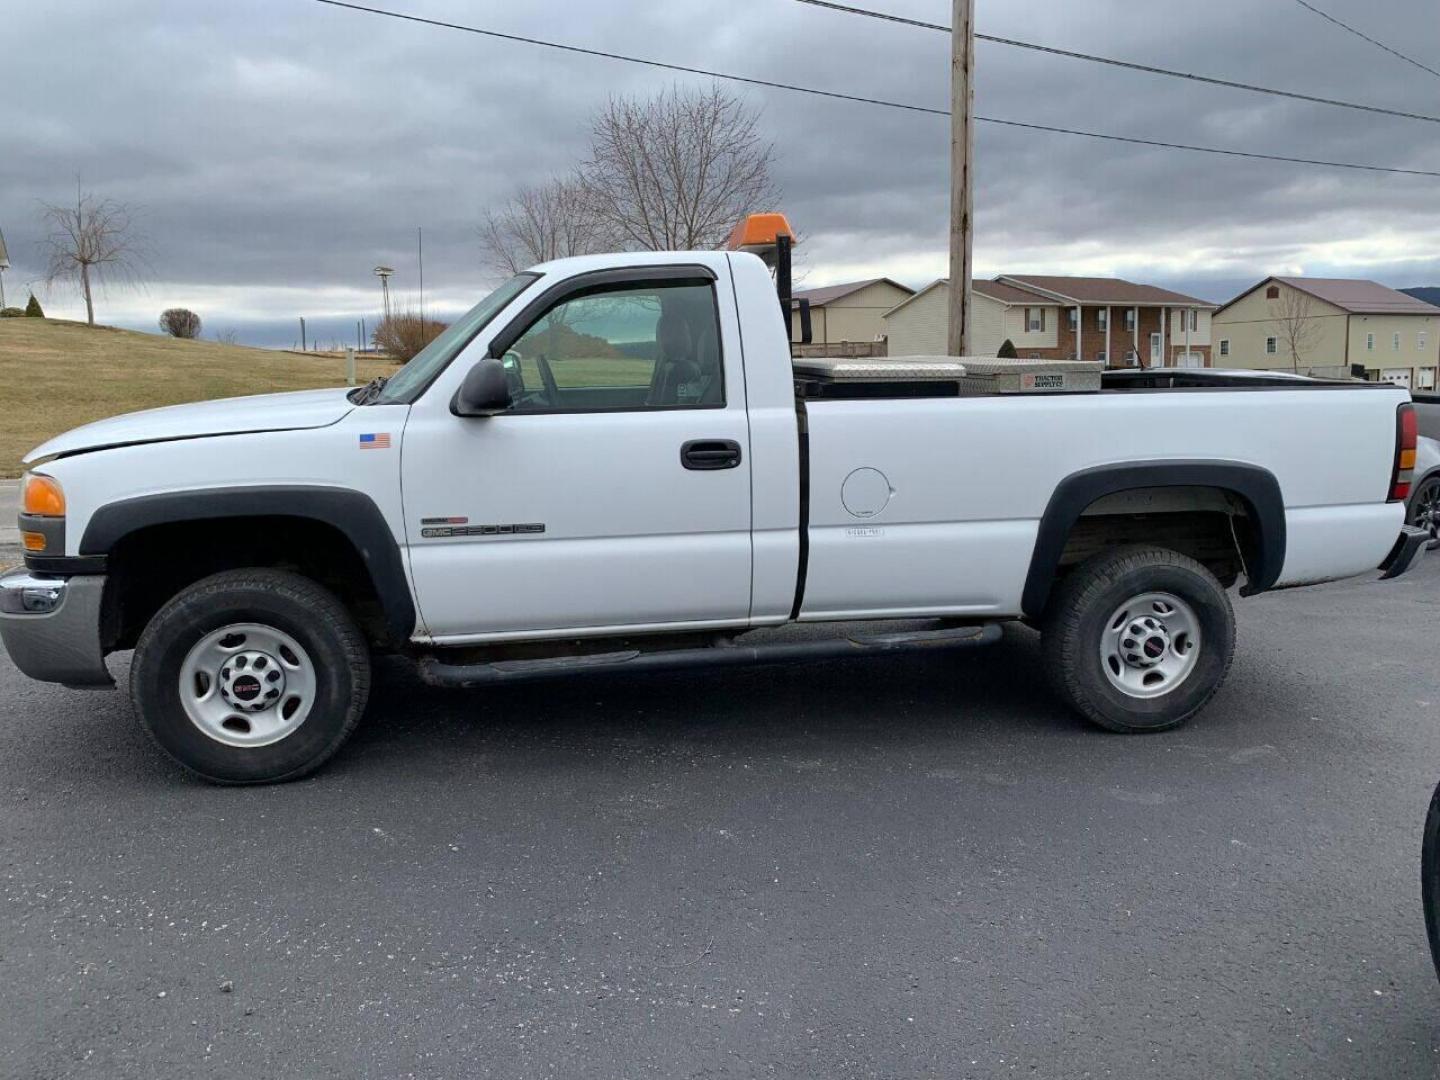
941 376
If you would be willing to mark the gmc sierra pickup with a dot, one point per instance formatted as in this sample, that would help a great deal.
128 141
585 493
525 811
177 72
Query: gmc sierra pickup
611 464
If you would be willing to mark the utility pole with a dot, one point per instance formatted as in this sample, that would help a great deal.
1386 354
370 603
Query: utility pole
420 249
962 148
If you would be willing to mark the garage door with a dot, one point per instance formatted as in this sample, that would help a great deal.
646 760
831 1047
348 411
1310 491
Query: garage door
1396 376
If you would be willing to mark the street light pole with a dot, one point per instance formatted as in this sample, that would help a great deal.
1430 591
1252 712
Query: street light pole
383 273
962 146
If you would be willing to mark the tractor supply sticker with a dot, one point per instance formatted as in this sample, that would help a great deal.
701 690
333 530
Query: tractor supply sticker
378 440
1042 382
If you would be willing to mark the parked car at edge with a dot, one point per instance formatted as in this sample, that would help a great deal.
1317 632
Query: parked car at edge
1422 509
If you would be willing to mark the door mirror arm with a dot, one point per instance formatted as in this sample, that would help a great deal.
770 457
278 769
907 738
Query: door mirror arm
485 390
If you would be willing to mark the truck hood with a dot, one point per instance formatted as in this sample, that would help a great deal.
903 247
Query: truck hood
229 416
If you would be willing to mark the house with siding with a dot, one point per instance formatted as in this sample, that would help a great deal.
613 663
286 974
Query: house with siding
1331 327
1061 318
852 312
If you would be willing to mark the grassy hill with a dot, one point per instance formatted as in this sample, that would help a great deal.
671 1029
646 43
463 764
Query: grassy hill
56 375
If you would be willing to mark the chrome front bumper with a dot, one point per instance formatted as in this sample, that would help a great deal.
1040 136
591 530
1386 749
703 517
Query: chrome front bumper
51 627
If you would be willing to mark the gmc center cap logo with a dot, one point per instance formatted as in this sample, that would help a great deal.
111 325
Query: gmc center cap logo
246 688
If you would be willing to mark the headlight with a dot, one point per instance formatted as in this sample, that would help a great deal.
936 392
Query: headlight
42 496
42 514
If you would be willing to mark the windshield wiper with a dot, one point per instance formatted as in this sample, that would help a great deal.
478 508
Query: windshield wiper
367 394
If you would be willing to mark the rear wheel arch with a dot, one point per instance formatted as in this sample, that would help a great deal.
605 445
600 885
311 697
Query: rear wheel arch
348 522
1256 489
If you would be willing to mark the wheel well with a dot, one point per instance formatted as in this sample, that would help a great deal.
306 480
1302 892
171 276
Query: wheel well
1212 525
149 565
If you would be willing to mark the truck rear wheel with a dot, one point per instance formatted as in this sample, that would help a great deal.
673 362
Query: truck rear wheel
1138 638
251 676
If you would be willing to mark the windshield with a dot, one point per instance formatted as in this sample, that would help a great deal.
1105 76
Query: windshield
408 383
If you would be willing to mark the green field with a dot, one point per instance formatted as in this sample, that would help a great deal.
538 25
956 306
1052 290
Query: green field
590 371
57 375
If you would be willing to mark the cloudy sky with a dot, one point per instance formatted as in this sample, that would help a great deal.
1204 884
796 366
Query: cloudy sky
277 150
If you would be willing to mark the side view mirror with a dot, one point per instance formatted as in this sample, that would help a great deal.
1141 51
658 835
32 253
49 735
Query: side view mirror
485 391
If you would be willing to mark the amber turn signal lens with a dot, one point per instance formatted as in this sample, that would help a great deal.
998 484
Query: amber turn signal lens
43 497
33 541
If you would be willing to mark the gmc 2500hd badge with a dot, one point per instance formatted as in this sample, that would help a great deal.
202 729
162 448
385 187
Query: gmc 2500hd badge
439 527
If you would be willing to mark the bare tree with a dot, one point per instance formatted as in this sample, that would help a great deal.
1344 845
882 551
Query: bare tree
180 322
1294 323
89 242
403 333
538 224
677 170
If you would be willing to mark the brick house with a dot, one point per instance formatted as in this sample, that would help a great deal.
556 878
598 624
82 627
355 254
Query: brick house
1062 318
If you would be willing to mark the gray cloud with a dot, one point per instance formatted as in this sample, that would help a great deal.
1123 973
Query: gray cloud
279 148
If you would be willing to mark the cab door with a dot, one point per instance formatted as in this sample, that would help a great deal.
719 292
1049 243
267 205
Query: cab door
614 493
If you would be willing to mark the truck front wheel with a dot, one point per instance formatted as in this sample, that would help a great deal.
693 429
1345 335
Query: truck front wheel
1138 638
251 676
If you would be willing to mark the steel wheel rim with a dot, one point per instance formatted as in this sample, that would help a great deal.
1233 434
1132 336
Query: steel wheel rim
1150 644
247 684
1426 511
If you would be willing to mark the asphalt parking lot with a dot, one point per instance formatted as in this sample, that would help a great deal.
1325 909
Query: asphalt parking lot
888 868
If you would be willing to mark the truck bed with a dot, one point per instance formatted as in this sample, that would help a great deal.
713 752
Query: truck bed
970 479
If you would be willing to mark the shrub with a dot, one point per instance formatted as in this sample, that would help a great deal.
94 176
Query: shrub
180 322
404 334
11 312
32 309
1007 350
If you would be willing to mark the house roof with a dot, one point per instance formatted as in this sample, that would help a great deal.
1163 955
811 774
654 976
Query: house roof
1099 290
996 290
1354 295
830 293
1011 294
1054 291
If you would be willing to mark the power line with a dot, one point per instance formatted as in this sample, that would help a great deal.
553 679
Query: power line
1210 149
862 99
1361 34
632 59
884 15
1129 65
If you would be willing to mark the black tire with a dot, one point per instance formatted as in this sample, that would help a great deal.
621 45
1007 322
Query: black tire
1423 509
1430 878
1076 620
294 605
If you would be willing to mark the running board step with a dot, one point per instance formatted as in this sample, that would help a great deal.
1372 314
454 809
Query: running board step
438 673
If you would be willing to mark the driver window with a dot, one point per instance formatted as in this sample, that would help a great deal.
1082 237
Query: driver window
641 346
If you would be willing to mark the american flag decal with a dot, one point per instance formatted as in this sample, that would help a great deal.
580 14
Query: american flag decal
380 440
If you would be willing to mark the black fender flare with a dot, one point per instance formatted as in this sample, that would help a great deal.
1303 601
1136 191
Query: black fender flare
353 513
1255 486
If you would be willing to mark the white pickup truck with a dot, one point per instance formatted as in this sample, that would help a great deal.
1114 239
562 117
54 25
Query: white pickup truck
610 464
